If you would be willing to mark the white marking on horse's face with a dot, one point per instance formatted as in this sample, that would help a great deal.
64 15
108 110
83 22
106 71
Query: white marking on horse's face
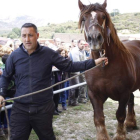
93 14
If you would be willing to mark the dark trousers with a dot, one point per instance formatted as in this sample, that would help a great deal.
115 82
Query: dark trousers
74 93
25 118
56 97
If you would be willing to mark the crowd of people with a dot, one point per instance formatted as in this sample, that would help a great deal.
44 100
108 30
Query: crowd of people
33 67
79 50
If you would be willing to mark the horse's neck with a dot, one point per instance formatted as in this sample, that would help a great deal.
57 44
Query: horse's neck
95 55
112 51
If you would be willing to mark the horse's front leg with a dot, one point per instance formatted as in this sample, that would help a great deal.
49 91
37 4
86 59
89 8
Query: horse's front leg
121 115
130 118
99 119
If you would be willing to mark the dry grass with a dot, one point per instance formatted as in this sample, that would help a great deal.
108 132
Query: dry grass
77 123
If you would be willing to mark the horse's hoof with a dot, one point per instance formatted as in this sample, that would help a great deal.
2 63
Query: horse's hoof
130 126
103 138
119 137
129 129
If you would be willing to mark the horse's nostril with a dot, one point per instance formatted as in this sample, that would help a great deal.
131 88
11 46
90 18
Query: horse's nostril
99 37
89 39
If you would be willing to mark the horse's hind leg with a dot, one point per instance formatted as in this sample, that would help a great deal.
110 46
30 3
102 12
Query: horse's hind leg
121 115
130 118
99 119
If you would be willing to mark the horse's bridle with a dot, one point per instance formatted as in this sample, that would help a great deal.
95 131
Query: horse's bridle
97 24
102 30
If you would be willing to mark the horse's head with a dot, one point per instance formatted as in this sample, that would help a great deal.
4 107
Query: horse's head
93 20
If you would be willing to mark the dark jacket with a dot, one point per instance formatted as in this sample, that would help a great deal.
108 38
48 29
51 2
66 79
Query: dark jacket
33 72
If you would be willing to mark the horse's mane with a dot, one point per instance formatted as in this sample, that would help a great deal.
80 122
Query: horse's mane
124 52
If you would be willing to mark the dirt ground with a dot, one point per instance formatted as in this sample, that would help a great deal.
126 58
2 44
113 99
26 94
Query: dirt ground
77 122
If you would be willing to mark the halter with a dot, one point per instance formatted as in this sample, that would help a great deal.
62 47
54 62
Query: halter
101 51
97 24
102 29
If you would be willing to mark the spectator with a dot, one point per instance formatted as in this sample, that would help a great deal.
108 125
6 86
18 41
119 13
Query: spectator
63 95
1 129
87 50
47 43
57 44
16 44
56 77
77 94
63 44
73 43
10 93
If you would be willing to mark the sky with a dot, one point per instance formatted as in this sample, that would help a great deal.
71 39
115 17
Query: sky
58 11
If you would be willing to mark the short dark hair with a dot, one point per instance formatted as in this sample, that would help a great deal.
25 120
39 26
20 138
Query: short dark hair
73 40
27 25
80 40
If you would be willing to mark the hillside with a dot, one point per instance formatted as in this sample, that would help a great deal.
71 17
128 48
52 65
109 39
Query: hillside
8 23
129 22
124 23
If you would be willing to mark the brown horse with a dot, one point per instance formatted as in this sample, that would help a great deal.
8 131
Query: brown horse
119 78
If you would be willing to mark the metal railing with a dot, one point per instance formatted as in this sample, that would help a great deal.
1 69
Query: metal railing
54 92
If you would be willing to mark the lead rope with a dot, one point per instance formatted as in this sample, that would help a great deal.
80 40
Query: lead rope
29 94
102 54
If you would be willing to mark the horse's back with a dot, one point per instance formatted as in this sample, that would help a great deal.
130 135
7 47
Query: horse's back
131 43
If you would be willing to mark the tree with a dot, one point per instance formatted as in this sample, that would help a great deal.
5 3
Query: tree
15 33
115 12
12 35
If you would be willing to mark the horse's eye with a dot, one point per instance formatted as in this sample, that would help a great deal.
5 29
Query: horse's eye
103 17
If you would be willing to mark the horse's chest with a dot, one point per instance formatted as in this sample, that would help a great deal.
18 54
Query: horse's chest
105 85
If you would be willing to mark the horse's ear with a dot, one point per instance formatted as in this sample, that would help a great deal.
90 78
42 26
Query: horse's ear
81 5
104 4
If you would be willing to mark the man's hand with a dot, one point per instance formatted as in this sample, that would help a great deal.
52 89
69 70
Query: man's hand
1 100
100 60
0 71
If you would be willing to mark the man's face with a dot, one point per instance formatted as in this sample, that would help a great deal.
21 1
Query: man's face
81 45
74 43
58 42
29 38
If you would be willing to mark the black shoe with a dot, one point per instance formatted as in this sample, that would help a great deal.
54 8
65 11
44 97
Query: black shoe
55 113
5 130
1 133
58 111
75 104
83 102
64 107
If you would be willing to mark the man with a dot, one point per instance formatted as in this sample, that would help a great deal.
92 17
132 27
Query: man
57 44
78 94
32 66
73 43
16 44
87 50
